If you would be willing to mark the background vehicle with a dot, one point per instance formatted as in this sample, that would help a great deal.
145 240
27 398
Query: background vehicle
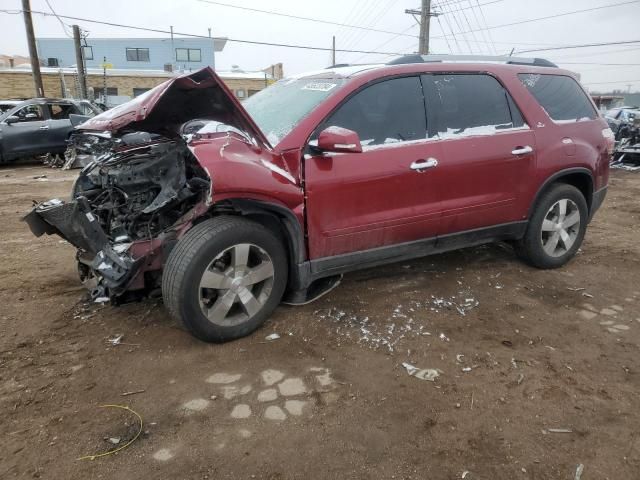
618 117
329 172
38 126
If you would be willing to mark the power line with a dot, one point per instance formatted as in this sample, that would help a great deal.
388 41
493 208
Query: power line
530 20
237 40
64 25
616 81
298 17
584 45
602 64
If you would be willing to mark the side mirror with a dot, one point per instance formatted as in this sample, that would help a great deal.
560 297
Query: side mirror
338 139
12 119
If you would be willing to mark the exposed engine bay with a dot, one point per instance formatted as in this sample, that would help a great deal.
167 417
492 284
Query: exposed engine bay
136 190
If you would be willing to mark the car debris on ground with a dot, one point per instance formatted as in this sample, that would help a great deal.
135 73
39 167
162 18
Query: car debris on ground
429 374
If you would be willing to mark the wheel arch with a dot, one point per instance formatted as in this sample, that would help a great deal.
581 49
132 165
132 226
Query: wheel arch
276 218
579 177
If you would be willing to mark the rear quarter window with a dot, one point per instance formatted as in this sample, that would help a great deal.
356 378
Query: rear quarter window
560 96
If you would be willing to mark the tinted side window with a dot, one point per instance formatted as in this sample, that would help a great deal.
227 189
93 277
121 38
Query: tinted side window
61 111
469 104
30 113
560 96
386 112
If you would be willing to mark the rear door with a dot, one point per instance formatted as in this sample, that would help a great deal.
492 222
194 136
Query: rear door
488 152
376 198
28 136
59 123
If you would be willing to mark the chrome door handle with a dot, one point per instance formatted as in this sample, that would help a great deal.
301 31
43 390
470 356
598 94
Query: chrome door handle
44 127
522 150
420 165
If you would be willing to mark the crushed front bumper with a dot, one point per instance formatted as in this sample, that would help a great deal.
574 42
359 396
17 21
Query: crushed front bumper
111 263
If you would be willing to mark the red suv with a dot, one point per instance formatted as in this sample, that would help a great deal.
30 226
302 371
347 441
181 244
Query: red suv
228 209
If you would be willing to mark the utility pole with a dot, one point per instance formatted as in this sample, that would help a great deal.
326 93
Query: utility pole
33 51
333 51
82 80
425 19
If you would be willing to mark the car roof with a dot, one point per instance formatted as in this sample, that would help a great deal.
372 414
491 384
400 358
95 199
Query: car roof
425 63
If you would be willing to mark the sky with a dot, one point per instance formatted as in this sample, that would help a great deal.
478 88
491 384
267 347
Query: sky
485 18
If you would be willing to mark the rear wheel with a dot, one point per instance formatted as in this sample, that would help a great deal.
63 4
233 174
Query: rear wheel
224 278
556 228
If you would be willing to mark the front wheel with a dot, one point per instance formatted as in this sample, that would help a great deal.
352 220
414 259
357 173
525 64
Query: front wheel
224 278
556 228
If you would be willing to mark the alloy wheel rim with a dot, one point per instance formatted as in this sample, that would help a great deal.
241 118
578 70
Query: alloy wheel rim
236 284
560 228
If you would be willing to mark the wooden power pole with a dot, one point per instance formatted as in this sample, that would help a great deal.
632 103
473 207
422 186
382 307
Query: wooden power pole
33 51
82 81
333 51
425 19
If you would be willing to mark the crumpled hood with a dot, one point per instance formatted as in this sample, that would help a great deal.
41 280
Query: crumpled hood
163 109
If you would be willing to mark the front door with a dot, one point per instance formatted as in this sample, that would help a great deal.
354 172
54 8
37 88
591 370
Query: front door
385 195
27 136
488 152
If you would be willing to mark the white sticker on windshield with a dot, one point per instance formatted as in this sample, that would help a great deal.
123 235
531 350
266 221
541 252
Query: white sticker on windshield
319 86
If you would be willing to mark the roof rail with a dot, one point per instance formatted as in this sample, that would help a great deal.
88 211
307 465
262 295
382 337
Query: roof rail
415 58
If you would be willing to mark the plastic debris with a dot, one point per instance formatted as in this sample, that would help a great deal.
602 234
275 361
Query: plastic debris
464 474
557 430
115 340
579 470
467 369
273 336
429 374
114 440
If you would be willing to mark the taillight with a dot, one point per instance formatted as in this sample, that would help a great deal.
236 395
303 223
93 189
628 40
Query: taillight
610 138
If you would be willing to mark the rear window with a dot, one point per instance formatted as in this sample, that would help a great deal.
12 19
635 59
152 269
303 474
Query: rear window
560 96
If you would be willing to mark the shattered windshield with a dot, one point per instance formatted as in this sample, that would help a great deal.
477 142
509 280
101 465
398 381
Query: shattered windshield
279 108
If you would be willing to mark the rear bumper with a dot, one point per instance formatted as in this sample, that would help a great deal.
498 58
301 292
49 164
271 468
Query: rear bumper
597 201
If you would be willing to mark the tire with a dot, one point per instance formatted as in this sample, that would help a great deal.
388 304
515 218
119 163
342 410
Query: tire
206 278
537 246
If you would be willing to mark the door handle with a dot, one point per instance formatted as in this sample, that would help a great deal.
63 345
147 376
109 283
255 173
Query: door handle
420 165
44 127
522 150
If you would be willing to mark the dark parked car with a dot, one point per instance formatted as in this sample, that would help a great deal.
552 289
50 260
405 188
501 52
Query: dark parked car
38 126
328 172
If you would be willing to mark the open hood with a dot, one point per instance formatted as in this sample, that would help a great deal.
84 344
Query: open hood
163 109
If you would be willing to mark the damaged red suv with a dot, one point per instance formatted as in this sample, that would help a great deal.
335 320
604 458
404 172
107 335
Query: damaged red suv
229 209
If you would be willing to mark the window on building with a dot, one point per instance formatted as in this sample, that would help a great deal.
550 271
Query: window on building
464 104
240 93
188 55
386 112
30 113
560 96
139 91
52 62
61 111
87 51
137 54
111 91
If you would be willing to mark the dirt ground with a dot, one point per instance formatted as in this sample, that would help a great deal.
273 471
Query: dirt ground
539 370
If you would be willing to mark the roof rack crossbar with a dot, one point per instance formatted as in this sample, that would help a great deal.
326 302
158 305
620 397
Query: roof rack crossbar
415 58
